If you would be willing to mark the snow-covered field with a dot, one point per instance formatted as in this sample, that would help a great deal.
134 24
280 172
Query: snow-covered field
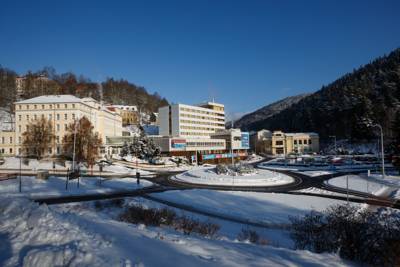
207 175
34 164
268 208
373 184
33 235
55 186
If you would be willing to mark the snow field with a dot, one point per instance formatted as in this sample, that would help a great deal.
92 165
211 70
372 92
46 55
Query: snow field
55 186
71 235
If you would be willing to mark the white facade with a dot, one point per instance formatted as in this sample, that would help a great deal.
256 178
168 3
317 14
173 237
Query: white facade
62 110
188 121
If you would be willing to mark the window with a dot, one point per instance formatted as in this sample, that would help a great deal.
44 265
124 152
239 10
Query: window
73 105
295 142
50 150
279 143
65 116
35 117
73 116
65 127
58 117
10 140
300 142
10 150
58 127
309 142
66 105
35 106
2 140
58 139
50 116
19 128
27 127
20 107
27 106
58 150
42 116
42 106
51 106
19 117
58 105
27 117
19 140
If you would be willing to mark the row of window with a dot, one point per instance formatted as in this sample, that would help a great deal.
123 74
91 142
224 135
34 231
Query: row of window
3 140
200 117
198 128
194 134
205 144
301 142
50 116
3 151
201 112
203 123
44 106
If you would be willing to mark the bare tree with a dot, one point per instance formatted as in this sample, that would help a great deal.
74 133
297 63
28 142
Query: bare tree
37 138
87 142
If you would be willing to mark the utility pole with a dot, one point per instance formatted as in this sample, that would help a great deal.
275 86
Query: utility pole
20 176
334 137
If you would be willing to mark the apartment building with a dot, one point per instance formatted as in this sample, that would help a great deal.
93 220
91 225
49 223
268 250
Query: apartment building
37 82
61 110
280 143
191 121
129 114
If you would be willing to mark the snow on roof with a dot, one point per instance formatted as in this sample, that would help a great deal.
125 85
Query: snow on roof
299 134
51 99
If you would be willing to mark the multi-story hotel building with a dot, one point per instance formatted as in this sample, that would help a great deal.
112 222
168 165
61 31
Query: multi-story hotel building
129 114
191 121
198 132
60 110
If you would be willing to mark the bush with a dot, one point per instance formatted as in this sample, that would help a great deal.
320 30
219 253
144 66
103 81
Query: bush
368 237
251 236
165 216
117 202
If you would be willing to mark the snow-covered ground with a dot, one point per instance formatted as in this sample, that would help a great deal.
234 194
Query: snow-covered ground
317 173
253 159
33 235
34 164
207 175
267 208
55 186
373 184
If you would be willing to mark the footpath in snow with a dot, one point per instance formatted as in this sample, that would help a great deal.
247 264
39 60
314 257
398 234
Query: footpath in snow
208 176
33 235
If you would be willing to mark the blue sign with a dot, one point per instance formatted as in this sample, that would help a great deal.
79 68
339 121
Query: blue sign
245 140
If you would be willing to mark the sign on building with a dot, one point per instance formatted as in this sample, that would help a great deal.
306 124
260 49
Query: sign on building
245 140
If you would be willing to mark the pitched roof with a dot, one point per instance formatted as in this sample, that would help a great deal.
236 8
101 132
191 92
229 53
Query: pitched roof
51 99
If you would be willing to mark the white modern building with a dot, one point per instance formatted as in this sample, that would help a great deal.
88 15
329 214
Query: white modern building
198 133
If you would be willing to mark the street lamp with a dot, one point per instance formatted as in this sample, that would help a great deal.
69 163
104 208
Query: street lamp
382 150
334 137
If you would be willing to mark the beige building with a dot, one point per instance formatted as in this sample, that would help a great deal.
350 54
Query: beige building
61 110
280 143
129 114
7 143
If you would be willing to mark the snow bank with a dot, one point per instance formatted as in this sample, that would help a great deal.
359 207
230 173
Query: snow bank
207 175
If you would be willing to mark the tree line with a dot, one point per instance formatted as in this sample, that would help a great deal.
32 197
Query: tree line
112 91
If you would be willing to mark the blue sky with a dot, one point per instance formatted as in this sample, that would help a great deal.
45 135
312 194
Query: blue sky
245 54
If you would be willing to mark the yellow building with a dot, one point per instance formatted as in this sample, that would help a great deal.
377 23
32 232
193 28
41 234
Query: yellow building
129 114
61 110
280 143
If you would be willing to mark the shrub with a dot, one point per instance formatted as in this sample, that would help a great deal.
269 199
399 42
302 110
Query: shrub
117 202
165 216
368 237
248 235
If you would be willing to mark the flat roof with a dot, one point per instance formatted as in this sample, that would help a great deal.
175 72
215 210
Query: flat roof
52 99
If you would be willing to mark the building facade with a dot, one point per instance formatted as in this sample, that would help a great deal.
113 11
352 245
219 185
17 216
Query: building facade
191 121
129 114
60 110
280 143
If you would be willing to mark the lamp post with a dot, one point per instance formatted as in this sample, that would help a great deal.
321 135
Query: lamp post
382 149
334 138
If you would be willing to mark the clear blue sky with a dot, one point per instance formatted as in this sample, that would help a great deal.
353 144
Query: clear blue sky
244 53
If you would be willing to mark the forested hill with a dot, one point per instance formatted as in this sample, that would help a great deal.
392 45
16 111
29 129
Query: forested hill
371 92
268 111
111 90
